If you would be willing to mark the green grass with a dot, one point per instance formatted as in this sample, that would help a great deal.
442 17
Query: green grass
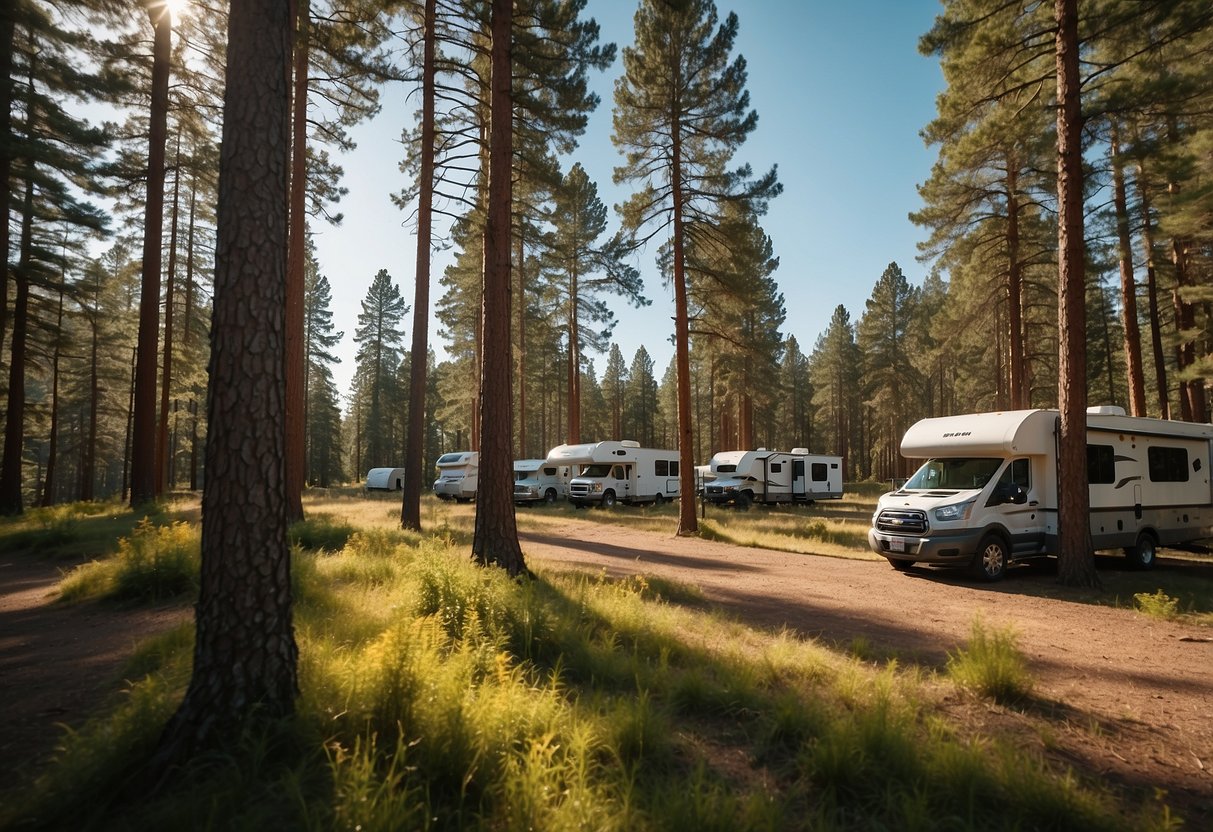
991 665
438 695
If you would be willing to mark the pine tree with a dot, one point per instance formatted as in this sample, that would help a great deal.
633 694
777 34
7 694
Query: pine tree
380 337
835 366
614 387
323 424
681 112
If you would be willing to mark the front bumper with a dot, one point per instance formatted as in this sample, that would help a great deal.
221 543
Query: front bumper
939 546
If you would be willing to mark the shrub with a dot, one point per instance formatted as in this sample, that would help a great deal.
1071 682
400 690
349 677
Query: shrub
991 665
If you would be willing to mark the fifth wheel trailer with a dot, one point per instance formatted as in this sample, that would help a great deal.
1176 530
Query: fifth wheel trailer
987 493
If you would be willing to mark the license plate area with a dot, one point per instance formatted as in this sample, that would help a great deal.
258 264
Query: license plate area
897 544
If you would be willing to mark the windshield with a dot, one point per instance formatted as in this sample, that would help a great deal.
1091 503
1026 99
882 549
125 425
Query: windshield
523 475
956 474
447 459
597 471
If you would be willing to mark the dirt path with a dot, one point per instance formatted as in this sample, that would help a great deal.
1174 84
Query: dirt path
1147 684
58 662
1123 694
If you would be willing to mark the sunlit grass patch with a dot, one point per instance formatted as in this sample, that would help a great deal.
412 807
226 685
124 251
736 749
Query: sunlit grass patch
155 563
1157 604
991 664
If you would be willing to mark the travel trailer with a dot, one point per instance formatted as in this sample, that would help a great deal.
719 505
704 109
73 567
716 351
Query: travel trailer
535 480
618 471
457 476
764 476
987 494
385 479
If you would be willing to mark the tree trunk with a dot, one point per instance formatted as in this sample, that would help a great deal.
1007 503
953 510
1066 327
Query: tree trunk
495 539
163 480
522 404
1076 559
1019 387
188 326
1128 286
14 421
7 31
88 454
245 654
143 453
688 520
52 451
296 405
1156 349
574 434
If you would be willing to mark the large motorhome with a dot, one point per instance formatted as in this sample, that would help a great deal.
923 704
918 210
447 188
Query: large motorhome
458 476
765 476
618 471
385 479
987 493
537 480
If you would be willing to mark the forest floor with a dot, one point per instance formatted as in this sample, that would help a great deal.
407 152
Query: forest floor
1117 694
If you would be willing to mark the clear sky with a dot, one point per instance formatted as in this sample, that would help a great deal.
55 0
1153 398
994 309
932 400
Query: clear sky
841 94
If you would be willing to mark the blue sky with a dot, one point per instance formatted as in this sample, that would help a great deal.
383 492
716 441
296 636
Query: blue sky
841 94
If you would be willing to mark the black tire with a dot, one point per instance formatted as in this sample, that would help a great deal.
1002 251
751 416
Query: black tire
900 565
608 498
1144 553
549 496
990 562
744 499
659 499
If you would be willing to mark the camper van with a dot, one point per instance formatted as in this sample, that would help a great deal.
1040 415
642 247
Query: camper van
385 479
764 476
987 493
618 471
457 476
536 480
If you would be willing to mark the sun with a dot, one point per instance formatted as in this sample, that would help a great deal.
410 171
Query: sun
177 9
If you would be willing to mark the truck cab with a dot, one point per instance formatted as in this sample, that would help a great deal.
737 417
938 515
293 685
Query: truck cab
602 483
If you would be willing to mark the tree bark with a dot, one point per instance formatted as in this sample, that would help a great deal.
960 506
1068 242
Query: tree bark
52 450
495 538
1156 349
143 453
1076 559
163 463
296 406
14 420
1128 285
245 653
7 32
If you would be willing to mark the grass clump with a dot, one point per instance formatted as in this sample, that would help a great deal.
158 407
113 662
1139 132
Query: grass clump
156 563
991 665
1157 604
320 532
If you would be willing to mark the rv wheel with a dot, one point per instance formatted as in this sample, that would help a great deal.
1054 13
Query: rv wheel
743 500
1142 555
990 562
608 499
550 495
659 499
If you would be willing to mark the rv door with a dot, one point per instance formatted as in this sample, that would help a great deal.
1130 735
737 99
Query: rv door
799 486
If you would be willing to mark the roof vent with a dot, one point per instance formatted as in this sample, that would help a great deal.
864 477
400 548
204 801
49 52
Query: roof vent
629 443
800 451
1106 410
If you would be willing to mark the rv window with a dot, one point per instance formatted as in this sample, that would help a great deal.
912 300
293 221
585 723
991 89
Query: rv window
1017 473
959 474
776 467
447 459
661 467
820 473
725 469
521 475
673 467
1101 464
617 473
596 471
1168 464
549 472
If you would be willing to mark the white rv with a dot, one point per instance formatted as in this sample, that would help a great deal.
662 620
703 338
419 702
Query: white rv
618 472
457 476
536 480
385 479
987 493
764 476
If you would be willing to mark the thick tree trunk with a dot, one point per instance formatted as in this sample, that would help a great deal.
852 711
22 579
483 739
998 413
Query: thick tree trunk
495 538
1076 559
296 405
143 453
688 520
522 365
1128 285
245 653
14 420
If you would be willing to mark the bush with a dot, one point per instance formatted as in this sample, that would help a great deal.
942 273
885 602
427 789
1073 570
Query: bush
991 665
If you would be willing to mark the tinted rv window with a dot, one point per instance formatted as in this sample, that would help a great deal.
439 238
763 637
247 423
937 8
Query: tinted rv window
725 469
1101 464
673 467
1168 464
661 467
820 472
776 467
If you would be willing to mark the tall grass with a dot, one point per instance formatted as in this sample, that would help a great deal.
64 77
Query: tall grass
439 695
991 665
155 563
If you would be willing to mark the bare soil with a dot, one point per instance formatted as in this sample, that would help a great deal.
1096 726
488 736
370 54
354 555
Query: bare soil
1117 694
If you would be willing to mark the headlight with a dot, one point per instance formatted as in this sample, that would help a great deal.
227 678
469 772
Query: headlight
595 487
730 488
956 511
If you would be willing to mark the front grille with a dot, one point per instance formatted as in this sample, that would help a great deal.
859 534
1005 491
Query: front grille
715 489
902 521
581 489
